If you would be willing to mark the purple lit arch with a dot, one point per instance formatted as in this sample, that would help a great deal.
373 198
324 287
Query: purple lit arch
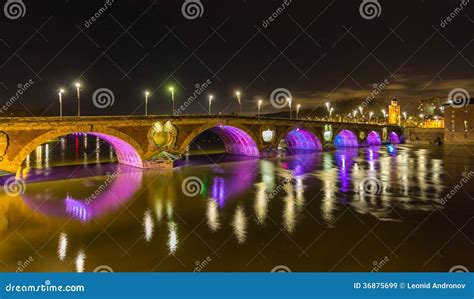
126 154
236 141
299 139
374 139
393 138
346 138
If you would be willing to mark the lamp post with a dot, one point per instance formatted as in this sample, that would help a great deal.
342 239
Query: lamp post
259 106
330 112
61 91
384 114
210 102
328 107
370 115
147 93
298 106
78 89
237 94
172 97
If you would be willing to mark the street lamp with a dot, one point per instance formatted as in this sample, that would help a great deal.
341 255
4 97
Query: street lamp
78 89
210 102
61 91
331 111
298 110
289 105
405 115
384 114
370 115
259 106
171 89
237 94
147 93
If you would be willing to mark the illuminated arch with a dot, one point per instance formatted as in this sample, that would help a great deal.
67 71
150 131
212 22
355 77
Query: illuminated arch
393 138
373 138
346 138
127 150
236 141
299 139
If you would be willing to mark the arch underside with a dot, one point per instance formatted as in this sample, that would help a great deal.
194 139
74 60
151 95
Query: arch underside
374 139
126 154
346 138
236 141
393 138
299 139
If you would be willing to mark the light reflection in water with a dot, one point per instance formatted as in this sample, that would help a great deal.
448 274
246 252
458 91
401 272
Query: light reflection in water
80 261
239 224
213 215
148 225
62 246
261 203
172 237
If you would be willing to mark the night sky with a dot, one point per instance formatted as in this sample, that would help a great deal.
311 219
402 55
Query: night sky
319 50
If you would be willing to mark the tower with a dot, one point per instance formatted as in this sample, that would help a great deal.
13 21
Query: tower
394 113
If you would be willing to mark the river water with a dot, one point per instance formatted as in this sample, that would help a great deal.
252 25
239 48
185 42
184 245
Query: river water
368 209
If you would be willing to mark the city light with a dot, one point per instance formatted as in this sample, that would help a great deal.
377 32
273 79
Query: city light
210 102
78 89
171 89
237 94
259 106
60 93
289 106
147 93
298 110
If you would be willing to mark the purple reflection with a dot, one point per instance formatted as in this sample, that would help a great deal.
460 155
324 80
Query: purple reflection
302 164
393 138
374 139
346 139
345 160
236 141
299 139
237 180
113 192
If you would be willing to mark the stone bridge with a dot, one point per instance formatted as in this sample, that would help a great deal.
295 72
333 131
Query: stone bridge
150 141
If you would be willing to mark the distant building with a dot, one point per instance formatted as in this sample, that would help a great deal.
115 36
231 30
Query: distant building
433 122
459 123
394 113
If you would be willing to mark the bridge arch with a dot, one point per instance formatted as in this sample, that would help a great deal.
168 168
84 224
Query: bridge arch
374 139
393 138
302 139
346 138
127 150
237 140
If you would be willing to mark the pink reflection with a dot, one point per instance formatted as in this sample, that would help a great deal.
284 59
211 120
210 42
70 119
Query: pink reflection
236 141
374 139
346 138
393 138
112 193
299 139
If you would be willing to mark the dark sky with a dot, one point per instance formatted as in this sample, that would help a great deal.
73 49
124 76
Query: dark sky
319 50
